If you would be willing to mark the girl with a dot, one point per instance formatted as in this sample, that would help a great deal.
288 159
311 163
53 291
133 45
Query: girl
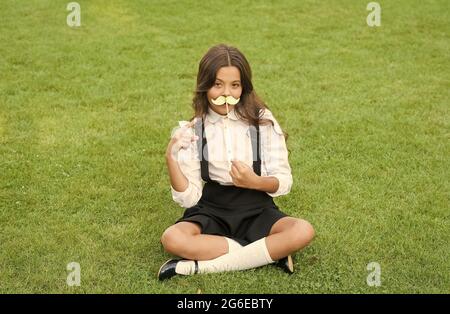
235 145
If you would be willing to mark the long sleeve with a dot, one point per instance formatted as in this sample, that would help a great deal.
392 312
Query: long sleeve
189 163
274 157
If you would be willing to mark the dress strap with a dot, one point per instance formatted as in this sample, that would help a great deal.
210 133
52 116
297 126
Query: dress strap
256 148
202 147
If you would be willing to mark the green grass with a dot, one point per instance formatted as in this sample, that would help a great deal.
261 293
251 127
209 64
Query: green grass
86 113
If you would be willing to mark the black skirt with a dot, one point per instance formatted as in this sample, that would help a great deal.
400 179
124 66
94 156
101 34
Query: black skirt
243 215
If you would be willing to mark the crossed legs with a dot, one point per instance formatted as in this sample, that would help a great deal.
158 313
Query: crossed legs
286 236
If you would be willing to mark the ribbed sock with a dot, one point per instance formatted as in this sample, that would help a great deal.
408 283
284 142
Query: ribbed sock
250 256
233 245
188 267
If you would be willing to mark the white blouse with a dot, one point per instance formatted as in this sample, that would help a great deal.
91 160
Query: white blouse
229 138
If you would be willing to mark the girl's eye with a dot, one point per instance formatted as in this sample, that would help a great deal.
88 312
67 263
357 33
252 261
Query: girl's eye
236 85
218 84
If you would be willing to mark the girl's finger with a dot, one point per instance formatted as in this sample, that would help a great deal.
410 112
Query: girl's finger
185 143
191 124
236 164
194 120
234 171
186 136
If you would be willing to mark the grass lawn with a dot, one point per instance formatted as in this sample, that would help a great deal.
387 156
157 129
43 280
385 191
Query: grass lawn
86 114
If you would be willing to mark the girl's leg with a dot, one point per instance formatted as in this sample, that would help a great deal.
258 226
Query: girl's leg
287 236
184 239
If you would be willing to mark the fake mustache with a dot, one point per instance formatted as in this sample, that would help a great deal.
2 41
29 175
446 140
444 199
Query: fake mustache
221 100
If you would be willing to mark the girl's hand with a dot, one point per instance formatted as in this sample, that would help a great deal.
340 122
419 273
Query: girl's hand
182 138
242 175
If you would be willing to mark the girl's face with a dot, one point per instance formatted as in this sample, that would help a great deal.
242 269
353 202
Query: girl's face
228 82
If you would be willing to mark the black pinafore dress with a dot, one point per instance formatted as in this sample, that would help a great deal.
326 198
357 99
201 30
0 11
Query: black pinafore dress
244 215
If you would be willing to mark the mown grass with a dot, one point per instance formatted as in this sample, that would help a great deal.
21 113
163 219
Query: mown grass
86 113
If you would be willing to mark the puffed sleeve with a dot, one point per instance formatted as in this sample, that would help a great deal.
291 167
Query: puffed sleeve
274 155
189 162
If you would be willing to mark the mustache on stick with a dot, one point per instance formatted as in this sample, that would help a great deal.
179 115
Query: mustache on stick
222 100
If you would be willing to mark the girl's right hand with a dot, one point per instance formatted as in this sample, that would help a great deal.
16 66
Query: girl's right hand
182 138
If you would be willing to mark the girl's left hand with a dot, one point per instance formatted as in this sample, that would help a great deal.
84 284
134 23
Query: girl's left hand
242 175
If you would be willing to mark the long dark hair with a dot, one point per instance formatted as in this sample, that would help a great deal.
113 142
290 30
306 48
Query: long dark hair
250 105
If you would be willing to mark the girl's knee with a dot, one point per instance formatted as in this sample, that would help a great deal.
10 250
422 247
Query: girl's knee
173 240
308 229
302 233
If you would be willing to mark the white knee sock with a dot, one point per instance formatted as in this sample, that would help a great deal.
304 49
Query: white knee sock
188 267
251 256
233 245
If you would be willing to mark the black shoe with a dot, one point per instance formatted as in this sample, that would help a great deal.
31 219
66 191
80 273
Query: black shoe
167 270
286 264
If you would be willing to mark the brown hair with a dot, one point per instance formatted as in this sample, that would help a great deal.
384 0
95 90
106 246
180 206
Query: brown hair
250 105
